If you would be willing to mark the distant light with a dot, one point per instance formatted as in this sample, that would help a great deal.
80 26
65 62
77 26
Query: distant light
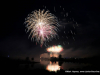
8 55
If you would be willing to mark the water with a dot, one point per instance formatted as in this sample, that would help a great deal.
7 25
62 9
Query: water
65 65
54 66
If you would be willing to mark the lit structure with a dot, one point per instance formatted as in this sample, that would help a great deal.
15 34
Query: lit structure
55 50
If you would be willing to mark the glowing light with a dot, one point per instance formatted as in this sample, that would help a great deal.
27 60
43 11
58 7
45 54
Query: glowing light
53 67
55 48
8 55
54 55
43 26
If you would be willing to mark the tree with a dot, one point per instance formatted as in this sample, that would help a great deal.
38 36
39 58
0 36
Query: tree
32 59
60 56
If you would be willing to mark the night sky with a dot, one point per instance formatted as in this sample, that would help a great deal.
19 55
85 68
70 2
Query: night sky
79 31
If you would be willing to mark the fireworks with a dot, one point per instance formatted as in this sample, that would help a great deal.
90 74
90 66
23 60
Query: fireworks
55 49
42 26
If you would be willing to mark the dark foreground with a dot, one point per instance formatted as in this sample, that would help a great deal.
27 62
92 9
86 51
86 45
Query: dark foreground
12 66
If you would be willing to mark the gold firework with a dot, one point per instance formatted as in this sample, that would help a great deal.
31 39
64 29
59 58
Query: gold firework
42 25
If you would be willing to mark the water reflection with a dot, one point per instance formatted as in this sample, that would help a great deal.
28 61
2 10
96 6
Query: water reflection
53 66
61 65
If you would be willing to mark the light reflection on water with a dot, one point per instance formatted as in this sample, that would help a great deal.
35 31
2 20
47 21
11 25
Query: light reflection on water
68 65
53 66
32 66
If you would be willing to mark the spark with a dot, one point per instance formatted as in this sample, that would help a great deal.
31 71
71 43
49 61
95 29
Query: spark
66 14
74 26
42 26
63 8
71 31
74 38
64 32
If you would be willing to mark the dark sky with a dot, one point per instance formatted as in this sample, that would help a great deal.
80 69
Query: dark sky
79 32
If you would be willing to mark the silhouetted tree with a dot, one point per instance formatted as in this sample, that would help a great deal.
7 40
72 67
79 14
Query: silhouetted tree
60 56
32 59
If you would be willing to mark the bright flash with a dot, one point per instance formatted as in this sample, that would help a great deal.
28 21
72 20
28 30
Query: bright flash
55 49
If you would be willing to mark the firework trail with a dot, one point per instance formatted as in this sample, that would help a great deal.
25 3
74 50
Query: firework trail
42 26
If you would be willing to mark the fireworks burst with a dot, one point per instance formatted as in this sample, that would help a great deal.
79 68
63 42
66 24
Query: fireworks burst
55 49
42 26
